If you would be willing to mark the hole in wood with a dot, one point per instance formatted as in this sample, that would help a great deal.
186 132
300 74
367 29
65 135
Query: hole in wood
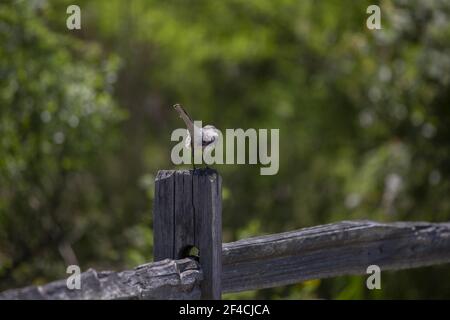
189 252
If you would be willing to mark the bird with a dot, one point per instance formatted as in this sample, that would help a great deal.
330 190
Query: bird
205 138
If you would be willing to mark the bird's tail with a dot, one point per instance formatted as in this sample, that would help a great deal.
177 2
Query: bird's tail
185 116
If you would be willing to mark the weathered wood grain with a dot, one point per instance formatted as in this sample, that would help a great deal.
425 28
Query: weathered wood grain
187 213
164 216
343 248
208 230
166 279
185 233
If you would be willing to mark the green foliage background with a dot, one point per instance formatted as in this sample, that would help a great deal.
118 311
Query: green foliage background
86 117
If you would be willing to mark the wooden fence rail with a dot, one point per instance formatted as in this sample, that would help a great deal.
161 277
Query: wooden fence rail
187 214
331 250
343 248
167 279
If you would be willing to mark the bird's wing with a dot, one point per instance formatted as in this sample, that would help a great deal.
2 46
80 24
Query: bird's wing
209 135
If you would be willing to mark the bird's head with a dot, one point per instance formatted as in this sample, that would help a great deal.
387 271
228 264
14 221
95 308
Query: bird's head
181 111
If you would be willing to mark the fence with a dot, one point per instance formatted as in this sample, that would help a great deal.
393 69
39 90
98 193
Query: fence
187 214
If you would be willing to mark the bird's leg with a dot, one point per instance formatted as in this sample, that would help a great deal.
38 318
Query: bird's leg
193 156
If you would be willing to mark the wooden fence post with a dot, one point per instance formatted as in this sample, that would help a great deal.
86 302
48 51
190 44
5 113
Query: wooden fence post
187 213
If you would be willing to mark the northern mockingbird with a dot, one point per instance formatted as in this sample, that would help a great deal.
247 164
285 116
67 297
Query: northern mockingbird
205 138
